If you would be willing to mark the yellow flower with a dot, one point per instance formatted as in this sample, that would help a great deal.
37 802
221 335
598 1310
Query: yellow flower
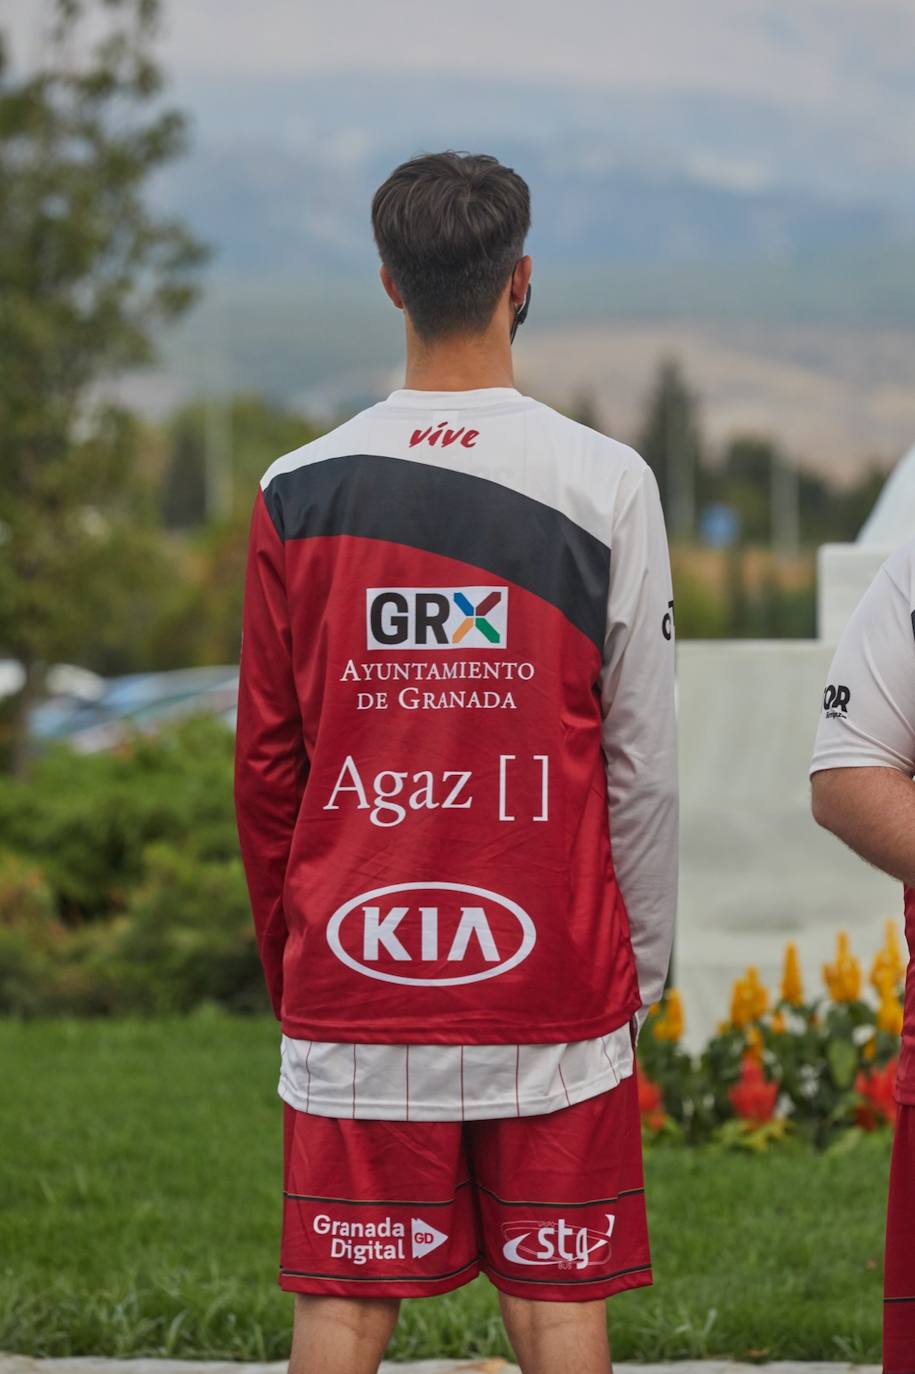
779 1024
843 976
669 1025
889 1013
894 949
749 999
889 966
792 986
754 1044
870 1048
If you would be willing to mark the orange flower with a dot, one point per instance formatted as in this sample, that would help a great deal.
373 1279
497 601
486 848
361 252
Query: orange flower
878 1090
888 967
749 999
752 1097
754 1044
669 1024
843 976
792 985
889 1013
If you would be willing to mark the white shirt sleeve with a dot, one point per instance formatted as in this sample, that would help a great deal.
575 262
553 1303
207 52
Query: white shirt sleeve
868 714
639 730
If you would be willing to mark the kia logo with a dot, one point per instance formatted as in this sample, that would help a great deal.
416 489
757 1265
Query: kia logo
448 932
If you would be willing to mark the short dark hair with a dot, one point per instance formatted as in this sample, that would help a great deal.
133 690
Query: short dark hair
450 227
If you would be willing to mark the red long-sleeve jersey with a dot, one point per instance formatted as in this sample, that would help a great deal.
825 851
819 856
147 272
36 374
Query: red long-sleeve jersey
457 649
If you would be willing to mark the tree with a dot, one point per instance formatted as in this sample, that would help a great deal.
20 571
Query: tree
87 272
184 496
670 443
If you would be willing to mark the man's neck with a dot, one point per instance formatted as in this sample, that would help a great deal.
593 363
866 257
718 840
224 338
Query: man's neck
462 364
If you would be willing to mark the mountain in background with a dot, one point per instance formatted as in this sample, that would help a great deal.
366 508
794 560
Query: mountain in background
282 171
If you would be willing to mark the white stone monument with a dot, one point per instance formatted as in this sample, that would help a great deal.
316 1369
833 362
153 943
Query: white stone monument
756 871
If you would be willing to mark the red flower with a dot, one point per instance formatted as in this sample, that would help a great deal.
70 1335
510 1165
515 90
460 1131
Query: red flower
878 1089
752 1098
651 1103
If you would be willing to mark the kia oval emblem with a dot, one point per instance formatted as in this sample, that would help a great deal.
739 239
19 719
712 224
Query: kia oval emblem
467 934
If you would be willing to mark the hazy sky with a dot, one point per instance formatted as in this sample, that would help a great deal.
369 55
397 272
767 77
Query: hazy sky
857 52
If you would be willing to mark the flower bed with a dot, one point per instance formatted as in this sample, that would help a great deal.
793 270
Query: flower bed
780 1069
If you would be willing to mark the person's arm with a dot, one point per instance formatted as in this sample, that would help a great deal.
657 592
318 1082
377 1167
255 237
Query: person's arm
640 732
271 763
873 811
864 756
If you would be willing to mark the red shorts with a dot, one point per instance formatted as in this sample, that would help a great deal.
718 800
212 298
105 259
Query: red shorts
899 1263
549 1207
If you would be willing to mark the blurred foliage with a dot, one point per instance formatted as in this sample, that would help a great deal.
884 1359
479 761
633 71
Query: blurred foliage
86 274
87 818
670 441
752 475
225 443
121 885
743 593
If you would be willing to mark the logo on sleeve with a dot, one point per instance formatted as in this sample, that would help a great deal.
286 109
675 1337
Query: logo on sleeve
436 617
835 702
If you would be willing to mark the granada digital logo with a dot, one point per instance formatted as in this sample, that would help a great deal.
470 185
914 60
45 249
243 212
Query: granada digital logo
436 617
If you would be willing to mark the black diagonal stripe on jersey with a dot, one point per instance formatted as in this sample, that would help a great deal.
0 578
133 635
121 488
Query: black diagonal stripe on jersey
455 514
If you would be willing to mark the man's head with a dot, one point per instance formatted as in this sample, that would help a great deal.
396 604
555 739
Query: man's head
450 228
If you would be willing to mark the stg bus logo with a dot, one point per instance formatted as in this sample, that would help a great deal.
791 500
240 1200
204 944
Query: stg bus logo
431 934
568 1247
436 617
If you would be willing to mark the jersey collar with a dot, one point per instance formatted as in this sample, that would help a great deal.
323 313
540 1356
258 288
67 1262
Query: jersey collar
452 400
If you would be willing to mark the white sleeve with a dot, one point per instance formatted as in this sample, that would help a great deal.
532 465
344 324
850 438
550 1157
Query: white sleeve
868 714
640 731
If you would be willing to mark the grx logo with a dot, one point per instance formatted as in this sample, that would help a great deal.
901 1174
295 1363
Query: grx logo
436 617
475 617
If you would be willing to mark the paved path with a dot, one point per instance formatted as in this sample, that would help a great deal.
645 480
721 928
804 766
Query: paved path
23 1364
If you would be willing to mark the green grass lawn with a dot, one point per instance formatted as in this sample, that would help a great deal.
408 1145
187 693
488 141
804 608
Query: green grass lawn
140 1175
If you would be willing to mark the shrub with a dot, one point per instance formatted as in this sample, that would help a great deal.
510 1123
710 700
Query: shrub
127 892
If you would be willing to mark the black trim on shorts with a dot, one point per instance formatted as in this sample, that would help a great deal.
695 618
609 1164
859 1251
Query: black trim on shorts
912 1299
378 1202
592 1202
543 1279
382 1278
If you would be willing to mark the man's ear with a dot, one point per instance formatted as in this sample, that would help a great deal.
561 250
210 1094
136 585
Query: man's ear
387 281
521 281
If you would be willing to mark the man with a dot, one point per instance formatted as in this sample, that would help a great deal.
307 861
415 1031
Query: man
863 766
457 661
